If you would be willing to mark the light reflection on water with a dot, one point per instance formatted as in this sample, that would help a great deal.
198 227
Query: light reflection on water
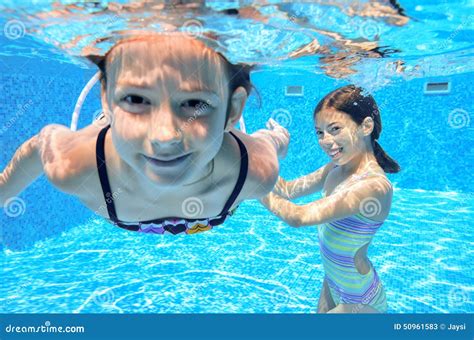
422 254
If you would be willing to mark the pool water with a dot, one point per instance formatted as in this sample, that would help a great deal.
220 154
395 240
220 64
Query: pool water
422 254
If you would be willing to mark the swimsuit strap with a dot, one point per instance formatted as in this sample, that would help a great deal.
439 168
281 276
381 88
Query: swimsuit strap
244 167
107 192
104 178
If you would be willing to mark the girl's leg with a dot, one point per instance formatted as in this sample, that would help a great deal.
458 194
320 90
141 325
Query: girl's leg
352 308
326 301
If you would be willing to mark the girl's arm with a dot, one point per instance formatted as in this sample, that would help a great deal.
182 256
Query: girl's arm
303 186
22 170
370 197
276 135
263 147
31 159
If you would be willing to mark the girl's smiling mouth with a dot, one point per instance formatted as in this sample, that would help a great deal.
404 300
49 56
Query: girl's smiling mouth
167 161
334 153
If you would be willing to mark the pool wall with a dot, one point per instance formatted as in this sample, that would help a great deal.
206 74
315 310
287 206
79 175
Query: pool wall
431 136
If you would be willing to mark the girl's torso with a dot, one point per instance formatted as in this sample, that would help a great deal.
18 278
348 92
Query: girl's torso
344 242
73 169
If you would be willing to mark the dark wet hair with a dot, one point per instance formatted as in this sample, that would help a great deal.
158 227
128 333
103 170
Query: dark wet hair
238 74
354 102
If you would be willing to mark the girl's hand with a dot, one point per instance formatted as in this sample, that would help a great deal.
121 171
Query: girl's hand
281 137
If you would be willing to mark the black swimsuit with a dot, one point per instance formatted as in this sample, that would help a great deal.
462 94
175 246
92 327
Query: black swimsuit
170 225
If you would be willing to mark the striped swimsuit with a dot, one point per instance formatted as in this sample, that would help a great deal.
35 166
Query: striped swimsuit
339 242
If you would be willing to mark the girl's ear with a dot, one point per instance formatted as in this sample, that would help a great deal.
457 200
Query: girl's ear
367 126
237 104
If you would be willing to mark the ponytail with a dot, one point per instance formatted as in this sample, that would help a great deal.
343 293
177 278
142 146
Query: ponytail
387 163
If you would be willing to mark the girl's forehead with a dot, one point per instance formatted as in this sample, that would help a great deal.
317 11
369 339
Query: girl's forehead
327 116
150 60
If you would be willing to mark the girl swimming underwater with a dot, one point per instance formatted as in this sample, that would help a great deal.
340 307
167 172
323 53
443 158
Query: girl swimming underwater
165 157
356 200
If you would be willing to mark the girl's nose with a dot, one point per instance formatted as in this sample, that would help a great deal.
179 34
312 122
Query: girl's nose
164 128
327 139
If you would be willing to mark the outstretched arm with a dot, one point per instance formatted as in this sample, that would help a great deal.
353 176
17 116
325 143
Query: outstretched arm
371 197
22 170
276 135
264 147
303 186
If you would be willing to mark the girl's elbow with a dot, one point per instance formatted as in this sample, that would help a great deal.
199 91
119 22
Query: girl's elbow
294 222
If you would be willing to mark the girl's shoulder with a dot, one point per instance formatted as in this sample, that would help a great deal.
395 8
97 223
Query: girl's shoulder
68 157
374 179
262 172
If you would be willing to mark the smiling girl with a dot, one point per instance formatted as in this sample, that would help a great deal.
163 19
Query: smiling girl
165 157
356 200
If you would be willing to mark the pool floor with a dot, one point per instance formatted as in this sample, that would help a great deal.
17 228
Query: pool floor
253 264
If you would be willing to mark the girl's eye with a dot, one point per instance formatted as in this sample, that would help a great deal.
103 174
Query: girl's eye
319 133
196 106
133 99
335 129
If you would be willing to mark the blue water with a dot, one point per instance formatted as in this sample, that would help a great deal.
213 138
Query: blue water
422 254
58 257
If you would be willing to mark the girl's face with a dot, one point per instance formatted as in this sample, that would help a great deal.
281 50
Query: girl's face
339 136
167 98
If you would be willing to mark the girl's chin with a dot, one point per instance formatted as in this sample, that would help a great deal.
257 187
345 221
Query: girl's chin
340 161
166 181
